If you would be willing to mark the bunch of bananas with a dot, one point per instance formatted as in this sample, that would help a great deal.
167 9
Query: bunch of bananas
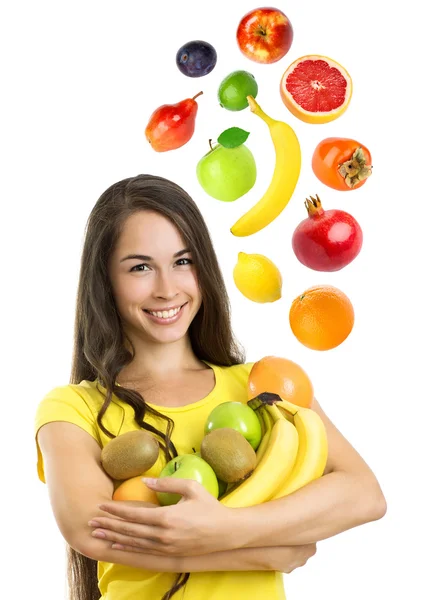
292 453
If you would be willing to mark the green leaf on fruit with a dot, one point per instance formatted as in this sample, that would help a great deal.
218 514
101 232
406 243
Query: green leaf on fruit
233 137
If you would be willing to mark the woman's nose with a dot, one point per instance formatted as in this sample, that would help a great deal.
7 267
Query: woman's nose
165 286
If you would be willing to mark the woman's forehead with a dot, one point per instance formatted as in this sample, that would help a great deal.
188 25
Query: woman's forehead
147 232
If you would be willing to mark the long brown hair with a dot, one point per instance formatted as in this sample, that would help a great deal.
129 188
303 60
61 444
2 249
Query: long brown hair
99 341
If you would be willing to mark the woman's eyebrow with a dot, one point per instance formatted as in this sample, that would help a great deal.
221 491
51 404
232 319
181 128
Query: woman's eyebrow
145 257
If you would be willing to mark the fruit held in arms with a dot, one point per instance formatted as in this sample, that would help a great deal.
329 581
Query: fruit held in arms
322 317
316 89
135 489
130 454
327 240
283 182
257 278
342 163
238 416
227 171
312 453
283 377
196 58
229 454
188 466
234 89
275 464
264 35
172 125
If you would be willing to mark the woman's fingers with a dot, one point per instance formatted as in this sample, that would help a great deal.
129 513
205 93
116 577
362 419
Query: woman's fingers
139 544
128 548
128 528
136 550
148 516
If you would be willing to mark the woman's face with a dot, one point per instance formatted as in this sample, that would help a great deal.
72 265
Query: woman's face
154 280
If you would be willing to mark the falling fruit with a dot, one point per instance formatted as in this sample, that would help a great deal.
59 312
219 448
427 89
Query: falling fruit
327 240
264 35
322 317
316 89
257 278
342 163
228 170
284 178
196 58
172 125
234 89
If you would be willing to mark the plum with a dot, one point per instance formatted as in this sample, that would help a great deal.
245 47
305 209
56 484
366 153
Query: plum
196 58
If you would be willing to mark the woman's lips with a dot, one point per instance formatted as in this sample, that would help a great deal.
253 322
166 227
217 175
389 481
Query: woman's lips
168 320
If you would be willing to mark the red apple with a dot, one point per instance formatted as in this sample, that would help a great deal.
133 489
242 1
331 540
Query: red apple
264 35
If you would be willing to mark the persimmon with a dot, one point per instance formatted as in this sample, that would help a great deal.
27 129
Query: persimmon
342 163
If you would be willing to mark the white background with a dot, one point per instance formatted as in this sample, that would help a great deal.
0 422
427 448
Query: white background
80 81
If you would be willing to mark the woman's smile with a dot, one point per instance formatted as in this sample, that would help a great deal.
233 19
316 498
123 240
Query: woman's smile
165 317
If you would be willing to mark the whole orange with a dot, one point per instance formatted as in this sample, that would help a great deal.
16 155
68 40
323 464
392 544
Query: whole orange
135 489
322 317
283 377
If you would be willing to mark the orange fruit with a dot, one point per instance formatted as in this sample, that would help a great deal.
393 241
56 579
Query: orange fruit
322 317
316 89
283 377
135 489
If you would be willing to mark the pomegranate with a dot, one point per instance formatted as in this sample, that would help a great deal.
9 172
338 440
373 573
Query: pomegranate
327 240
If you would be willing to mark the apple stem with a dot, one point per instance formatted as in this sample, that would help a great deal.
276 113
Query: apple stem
198 94
209 141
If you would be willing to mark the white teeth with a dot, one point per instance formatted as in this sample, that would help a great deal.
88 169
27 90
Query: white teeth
165 314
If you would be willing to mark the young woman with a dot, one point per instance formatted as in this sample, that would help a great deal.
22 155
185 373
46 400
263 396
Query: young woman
154 349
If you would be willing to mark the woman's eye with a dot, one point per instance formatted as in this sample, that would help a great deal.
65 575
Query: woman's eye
184 261
137 267
145 267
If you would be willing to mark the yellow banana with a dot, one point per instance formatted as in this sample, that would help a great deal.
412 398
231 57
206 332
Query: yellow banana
313 447
275 465
284 179
267 425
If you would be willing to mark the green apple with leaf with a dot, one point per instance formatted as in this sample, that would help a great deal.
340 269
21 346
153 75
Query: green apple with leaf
228 170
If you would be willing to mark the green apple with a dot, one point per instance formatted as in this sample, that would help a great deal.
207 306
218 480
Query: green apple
188 466
239 416
227 173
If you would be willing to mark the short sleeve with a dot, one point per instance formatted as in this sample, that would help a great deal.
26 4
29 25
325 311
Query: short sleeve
63 404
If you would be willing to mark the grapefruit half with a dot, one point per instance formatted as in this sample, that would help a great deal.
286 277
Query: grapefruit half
316 89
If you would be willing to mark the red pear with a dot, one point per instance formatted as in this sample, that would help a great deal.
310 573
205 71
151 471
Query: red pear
172 125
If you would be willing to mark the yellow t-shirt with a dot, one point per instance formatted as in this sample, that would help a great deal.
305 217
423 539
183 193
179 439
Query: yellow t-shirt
80 404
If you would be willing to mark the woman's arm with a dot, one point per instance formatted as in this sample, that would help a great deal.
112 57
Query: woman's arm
75 479
75 493
284 559
347 495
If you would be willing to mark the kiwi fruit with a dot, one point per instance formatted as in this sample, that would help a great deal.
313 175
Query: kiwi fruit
130 454
229 454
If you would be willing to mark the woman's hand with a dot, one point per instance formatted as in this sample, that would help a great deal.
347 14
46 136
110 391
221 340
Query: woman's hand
287 558
197 524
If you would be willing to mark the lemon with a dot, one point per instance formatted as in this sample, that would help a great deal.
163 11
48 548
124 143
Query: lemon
257 278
